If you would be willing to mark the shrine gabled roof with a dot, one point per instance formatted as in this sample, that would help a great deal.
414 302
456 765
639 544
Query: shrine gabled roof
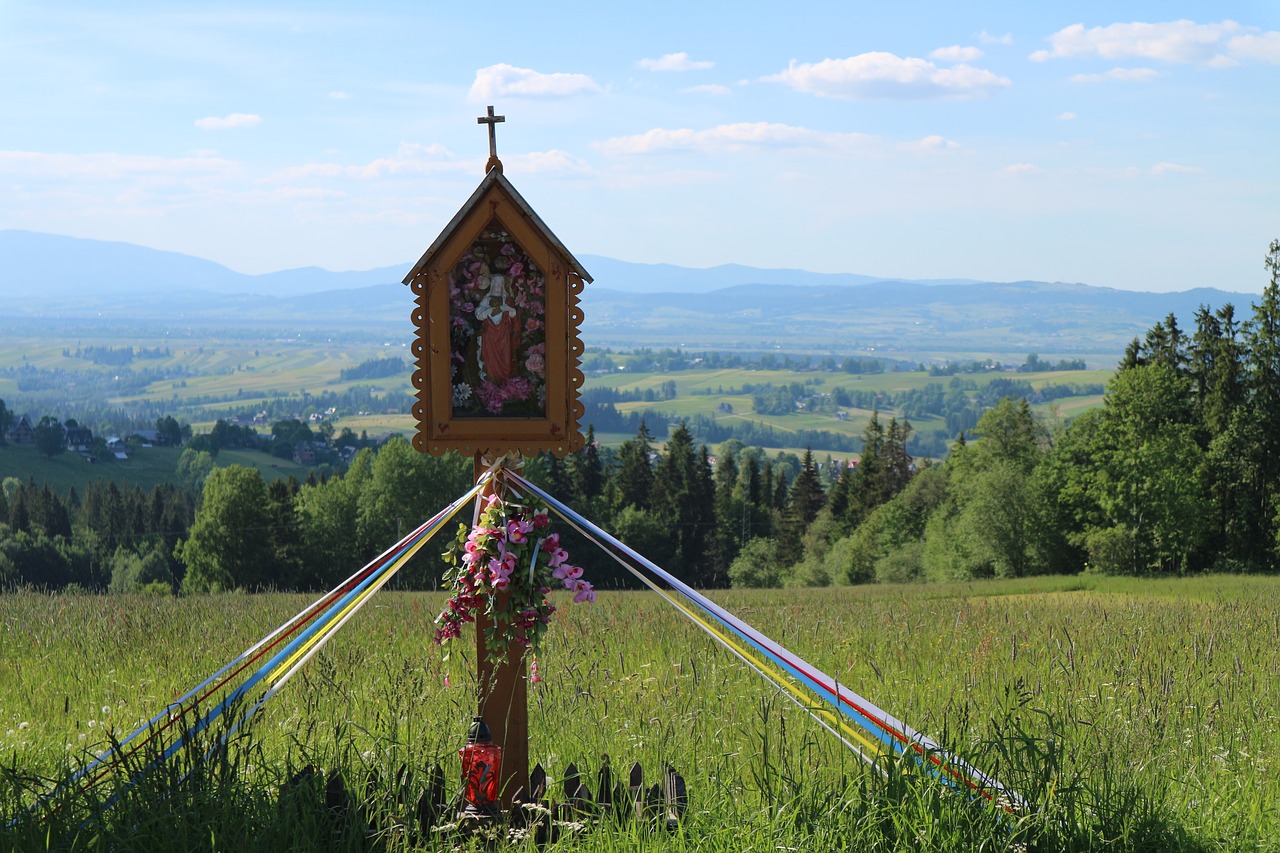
495 177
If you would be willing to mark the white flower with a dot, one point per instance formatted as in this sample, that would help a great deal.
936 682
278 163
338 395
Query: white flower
23 725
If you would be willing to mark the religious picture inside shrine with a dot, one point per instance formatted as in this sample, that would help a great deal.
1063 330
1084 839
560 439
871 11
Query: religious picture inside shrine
498 337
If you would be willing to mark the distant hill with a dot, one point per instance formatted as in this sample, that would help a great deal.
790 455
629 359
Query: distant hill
628 304
57 266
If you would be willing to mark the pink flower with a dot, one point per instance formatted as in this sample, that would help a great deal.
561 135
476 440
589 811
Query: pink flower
585 592
535 364
515 533
534 676
500 574
541 520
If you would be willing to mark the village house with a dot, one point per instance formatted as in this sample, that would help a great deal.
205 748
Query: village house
79 439
21 432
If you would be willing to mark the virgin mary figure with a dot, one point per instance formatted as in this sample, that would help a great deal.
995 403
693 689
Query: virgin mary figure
499 329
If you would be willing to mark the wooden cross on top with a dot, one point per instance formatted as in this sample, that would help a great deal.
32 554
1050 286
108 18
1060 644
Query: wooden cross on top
492 120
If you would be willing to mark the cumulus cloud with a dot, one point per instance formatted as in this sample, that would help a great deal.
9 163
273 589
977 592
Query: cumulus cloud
553 161
229 122
708 89
304 194
410 158
730 137
339 95
507 80
987 38
675 62
1180 41
1067 116
956 53
1131 75
1264 47
886 75
1174 169
929 143
109 166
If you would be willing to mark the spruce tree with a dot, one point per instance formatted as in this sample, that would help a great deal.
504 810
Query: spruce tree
682 498
632 484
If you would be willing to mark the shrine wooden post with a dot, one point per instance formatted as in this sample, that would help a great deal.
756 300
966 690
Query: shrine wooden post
498 370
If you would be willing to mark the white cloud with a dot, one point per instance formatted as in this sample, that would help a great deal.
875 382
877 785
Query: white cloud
929 143
410 158
956 53
1067 116
987 38
730 137
708 89
1021 169
1130 75
234 120
502 80
339 96
554 161
1264 47
1173 41
1174 169
675 62
886 75
307 193
109 166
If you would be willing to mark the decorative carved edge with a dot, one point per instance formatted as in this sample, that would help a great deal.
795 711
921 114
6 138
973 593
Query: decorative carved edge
423 346
573 328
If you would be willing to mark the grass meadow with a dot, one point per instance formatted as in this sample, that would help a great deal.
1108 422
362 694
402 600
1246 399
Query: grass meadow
147 468
1133 715
702 392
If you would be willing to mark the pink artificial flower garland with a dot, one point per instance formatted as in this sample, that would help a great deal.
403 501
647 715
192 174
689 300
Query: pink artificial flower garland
512 551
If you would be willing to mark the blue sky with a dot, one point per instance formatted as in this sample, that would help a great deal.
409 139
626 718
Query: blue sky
1123 144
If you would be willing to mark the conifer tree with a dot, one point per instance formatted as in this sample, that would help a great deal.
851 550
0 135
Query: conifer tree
682 498
730 511
804 500
632 483
1262 381
586 469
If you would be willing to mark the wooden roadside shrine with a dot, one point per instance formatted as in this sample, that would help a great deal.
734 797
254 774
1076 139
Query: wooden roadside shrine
498 371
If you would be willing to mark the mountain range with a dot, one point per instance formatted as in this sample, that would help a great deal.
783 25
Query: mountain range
627 305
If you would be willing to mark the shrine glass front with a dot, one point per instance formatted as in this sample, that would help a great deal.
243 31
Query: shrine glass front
498 339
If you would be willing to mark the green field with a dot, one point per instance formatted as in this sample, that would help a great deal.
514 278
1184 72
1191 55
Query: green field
698 392
233 375
1135 715
149 467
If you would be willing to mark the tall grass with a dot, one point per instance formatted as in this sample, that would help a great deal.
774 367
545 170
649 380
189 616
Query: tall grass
1131 717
